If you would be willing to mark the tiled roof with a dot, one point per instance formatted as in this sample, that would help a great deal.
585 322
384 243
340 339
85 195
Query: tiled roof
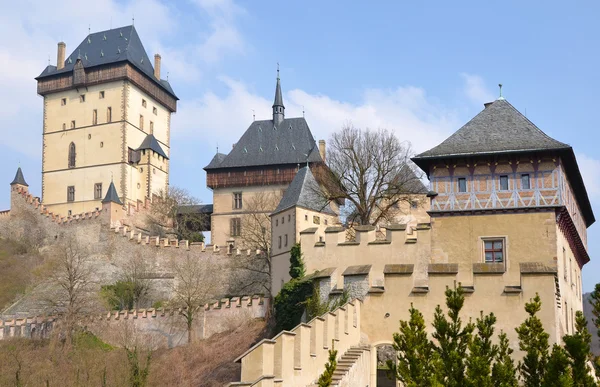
303 192
150 142
111 195
264 143
111 46
216 160
497 128
19 179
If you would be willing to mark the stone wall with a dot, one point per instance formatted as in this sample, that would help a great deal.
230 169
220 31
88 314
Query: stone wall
156 327
111 249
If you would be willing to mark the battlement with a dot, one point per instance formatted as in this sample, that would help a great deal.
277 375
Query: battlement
297 357
215 317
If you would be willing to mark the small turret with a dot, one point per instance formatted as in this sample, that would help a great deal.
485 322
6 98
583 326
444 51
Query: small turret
278 108
19 182
112 207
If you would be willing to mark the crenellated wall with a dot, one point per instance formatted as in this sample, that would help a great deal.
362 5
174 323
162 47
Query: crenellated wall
157 327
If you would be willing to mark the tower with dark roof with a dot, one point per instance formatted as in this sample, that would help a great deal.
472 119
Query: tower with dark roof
261 165
107 115
508 199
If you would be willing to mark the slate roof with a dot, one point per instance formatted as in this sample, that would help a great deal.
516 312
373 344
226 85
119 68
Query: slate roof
216 161
502 129
111 195
263 143
150 142
497 128
196 209
107 47
278 97
19 179
303 192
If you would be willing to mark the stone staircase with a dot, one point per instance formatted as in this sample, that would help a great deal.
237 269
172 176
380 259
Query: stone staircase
346 362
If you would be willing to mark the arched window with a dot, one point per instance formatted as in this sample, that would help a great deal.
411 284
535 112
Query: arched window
72 155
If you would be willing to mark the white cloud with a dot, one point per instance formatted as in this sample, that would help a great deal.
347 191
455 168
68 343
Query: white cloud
405 110
476 90
590 170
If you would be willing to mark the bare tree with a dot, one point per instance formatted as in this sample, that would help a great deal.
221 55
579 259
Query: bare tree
135 272
175 211
254 271
195 282
371 171
72 278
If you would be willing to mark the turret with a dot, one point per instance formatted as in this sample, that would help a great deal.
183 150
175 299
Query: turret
278 108
112 207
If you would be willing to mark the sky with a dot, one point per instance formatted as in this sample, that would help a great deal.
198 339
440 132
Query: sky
421 69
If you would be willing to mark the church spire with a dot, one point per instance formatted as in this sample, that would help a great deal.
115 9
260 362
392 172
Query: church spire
278 108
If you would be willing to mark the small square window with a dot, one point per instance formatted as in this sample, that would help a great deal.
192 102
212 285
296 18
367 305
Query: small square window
494 250
82 98
462 184
63 101
504 183
316 220
525 182
413 204
143 102
101 95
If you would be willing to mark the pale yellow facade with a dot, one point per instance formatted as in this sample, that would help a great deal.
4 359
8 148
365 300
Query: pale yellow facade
103 122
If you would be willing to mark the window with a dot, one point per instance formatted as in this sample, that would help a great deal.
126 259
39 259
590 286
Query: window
280 241
143 102
286 239
462 184
305 217
325 222
237 200
289 217
101 96
494 250
525 183
71 193
141 122
72 155
63 101
82 98
565 263
73 124
236 226
504 183
98 191
95 117
151 127
571 270
133 156
64 126
282 219
413 204
109 114
316 220
155 110
69 213
276 222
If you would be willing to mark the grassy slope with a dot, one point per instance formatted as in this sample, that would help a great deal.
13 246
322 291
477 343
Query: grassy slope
16 270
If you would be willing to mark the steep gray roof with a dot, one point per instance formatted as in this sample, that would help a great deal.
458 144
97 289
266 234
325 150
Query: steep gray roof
278 98
111 195
499 128
19 179
303 192
111 46
216 160
150 142
263 143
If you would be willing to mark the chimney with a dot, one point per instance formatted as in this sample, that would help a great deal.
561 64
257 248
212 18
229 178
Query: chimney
322 149
60 57
157 66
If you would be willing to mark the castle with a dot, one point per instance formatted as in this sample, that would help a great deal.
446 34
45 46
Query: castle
505 216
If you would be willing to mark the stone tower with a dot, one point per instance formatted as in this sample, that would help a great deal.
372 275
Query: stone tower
107 116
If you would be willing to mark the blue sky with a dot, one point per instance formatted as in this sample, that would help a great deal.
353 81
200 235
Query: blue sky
421 69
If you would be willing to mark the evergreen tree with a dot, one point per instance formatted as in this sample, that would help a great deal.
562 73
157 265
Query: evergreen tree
504 372
533 340
326 377
595 303
453 340
557 369
297 269
415 366
578 347
482 353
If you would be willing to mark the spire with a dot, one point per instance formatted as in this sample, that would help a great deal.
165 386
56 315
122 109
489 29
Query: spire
111 195
19 179
278 108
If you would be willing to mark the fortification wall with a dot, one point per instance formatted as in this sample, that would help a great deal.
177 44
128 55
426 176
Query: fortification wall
111 249
165 328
